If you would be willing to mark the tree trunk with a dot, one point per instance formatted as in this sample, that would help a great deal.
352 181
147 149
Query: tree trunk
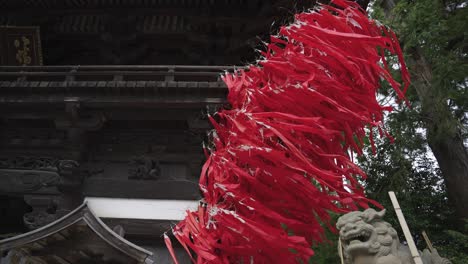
453 161
443 129
443 134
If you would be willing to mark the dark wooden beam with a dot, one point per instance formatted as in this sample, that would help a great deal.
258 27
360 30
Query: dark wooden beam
179 190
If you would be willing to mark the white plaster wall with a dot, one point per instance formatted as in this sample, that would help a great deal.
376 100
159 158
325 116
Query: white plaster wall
140 208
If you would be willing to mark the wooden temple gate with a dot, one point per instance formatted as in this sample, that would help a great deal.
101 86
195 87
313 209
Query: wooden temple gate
113 113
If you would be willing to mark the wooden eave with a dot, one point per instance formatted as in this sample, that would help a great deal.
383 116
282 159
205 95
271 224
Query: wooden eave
103 86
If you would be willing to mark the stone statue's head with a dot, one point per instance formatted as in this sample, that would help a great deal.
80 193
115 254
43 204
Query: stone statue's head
366 235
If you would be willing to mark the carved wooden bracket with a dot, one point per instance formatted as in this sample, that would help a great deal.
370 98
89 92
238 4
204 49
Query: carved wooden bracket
31 174
144 168
44 208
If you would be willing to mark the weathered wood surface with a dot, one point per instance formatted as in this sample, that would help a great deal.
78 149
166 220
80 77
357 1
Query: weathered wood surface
155 86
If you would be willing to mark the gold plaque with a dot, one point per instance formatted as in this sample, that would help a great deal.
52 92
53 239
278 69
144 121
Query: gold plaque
20 46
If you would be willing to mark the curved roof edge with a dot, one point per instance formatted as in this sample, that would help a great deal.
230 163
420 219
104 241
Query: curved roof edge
85 214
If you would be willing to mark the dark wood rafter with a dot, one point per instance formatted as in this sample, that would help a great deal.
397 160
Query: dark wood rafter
98 86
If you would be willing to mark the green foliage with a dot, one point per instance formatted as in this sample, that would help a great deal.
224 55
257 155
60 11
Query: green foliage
437 31
455 245
327 252
406 167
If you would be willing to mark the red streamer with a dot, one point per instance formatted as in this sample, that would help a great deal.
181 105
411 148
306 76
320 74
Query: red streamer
282 156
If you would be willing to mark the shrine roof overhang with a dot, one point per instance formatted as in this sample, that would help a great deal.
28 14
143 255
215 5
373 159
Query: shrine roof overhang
109 86
224 11
204 32
78 236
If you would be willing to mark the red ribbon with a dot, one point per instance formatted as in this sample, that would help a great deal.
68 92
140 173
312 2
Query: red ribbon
282 157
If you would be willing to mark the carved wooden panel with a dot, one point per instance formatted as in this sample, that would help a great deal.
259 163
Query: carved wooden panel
26 174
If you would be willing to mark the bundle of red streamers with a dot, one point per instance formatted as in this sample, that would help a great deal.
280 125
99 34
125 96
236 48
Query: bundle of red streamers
281 159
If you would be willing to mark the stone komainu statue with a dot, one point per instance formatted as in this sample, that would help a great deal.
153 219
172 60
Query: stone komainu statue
367 239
